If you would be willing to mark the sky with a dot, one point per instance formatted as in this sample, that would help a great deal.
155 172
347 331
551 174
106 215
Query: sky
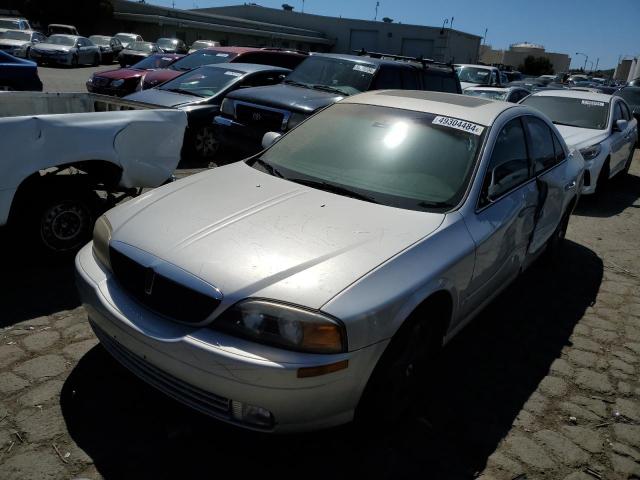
596 28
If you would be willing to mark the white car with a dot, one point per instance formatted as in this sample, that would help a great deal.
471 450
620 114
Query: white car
67 50
14 23
127 38
503 94
19 42
478 75
200 44
313 281
600 126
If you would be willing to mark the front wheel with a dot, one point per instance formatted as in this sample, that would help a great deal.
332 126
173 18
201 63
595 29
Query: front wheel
74 61
204 143
627 165
96 60
603 179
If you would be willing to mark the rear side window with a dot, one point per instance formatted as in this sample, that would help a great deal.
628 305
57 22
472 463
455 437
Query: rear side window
540 144
509 165
409 79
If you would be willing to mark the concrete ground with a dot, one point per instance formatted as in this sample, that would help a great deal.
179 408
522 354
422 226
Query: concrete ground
543 385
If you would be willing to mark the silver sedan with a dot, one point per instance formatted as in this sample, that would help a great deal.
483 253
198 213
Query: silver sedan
315 281
69 50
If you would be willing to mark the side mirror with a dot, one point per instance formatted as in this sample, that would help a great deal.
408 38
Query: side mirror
270 138
621 125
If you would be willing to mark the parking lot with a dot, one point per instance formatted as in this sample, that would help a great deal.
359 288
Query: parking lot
543 384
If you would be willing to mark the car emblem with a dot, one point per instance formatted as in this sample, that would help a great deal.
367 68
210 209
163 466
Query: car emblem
149 279
256 116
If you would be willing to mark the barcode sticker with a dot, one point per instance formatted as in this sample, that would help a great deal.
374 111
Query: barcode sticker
365 69
233 74
592 103
222 54
458 125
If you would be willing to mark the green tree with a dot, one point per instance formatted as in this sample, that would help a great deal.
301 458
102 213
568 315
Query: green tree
86 15
536 66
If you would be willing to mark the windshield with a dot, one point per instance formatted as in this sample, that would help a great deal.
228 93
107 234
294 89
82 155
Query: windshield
141 46
167 42
574 112
489 94
100 40
406 159
631 95
481 76
344 76
152 62
16 35
203 57
126 38
62 40
201 44
9 24
203 82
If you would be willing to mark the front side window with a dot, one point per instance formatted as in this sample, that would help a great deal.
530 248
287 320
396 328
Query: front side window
400 158
509 165
203 57
334 74
540 145
573 112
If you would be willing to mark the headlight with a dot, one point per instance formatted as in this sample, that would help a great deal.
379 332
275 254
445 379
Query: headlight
101 238
591 152
295 119
227 108
90 80
117 83
284 326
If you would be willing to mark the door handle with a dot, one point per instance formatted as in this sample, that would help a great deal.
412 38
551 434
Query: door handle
570 186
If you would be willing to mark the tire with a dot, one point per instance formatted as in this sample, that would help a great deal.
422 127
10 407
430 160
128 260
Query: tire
555 245
60 220
603 179
627 166
96 60
406 366
204 143
74 61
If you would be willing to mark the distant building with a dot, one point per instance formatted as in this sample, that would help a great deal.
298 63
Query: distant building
347 35
514 57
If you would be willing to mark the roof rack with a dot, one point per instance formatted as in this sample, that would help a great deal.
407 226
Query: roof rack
424 61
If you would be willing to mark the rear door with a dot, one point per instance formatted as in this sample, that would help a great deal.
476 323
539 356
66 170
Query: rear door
553 184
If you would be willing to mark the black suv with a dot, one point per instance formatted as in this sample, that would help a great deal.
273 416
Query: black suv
319 81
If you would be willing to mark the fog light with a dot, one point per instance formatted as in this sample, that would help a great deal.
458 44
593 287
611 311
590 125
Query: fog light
251 414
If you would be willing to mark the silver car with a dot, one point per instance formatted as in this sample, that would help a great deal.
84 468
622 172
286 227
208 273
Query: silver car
69 50
19 42
310 283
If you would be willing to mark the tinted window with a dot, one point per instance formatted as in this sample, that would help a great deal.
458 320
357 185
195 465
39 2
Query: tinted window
574 112
508 166
335 74
388 78
439 83
617 113
540 145
402 158
409 79
625 111
274 59
631 95
154 61
203 81
264 78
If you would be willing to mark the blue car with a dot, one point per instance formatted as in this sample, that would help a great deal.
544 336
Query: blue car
18 74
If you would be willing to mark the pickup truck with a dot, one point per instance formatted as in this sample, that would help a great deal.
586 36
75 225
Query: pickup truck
64 155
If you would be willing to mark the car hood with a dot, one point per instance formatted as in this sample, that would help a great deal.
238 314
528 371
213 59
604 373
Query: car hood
165 98
49 47
135 53
118 73
251 234
581 137
13 43
160 76
288 97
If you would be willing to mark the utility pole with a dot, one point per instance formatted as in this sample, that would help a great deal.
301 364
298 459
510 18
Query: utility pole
302 6
377 5
484 39
597 62
586 58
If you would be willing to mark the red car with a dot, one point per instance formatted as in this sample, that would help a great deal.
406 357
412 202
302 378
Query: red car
207 56
124 81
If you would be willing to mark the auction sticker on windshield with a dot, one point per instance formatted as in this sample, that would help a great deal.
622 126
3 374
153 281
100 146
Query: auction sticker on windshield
222 54
592 103
365 69
458 125
233 74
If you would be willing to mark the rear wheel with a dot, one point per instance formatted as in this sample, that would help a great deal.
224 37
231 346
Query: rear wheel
556 243
96 60
627 165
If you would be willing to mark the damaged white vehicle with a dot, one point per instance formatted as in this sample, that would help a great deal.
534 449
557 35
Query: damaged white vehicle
311 282
59 149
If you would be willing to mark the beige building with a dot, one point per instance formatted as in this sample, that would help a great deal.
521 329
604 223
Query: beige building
517 52
347 35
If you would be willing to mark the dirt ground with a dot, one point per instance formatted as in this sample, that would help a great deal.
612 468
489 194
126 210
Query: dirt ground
543 385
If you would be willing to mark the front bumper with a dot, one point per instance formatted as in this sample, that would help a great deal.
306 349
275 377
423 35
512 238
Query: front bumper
211 371
112 91
63 58
592 170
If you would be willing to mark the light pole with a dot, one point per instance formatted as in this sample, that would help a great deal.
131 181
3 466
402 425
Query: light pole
446 20
377 5
484 39
591 64
597 62
586 57
302 6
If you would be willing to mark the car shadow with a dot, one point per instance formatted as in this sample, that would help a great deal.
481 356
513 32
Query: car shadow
30 285
621 193
485 376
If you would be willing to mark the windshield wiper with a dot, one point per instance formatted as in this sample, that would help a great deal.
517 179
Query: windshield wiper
327 88
333 188
565 124
427 204
268 167
183 92
297 84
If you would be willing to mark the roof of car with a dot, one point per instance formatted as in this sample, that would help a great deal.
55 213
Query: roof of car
237 50
466 107
248 67
497 89
61 25
382 61
599 97
475 65
21 31
75 37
